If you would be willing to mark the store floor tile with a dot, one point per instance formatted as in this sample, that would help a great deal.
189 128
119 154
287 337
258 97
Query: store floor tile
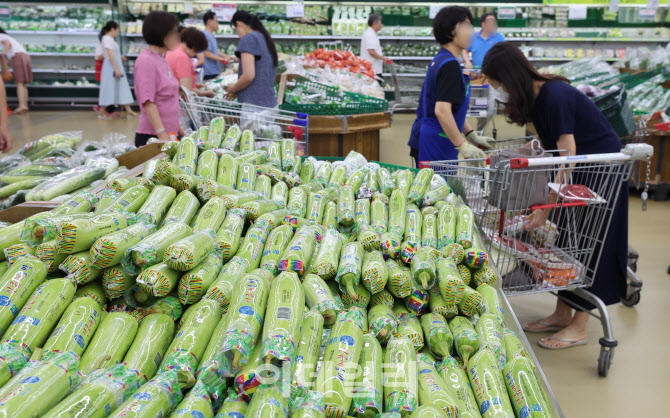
641 364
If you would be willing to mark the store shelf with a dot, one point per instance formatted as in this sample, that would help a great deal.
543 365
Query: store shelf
585 40
405 75
51 32
61 71
564 59
61 54
50 86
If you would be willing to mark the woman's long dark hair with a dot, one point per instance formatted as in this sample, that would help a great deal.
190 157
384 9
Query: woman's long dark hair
506 64
108 27
255 23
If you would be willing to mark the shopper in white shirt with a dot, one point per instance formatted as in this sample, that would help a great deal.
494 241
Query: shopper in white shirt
371 49
21 67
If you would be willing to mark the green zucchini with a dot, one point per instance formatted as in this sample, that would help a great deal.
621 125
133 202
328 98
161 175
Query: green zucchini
186 155
194 284
211 215
130 200
150 344
227 171
330 217
288 153
274 154
229 235
319 297
401 377
488 385
382 322
349 270
208 165
155 398
75 329
433 390
251 248
151 250
183 209
385 181
79 268
374 272
115 281
307 352
280 193
323 173
158 280
307 171
206 189
275 246
420 185
246 177
188 252
109 249
327 260
299 251
157 204
247 141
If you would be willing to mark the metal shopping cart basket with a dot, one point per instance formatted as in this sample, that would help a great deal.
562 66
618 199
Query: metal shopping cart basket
563 253
482 105
267 124
407 82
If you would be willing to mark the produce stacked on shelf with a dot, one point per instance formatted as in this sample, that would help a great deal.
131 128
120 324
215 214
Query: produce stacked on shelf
281 278
56 165
338 59
56 18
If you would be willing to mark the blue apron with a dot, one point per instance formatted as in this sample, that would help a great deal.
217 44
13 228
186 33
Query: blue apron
427 135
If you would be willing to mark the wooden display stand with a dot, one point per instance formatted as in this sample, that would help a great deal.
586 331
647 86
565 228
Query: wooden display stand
335 136
659 178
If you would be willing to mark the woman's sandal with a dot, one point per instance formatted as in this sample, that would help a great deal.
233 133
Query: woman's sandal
547 327
562 347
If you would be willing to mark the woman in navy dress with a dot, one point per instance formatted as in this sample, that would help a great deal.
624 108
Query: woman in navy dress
564 118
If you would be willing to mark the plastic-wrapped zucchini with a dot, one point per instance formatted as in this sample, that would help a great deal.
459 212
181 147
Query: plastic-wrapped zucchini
323 173
410 327
369 238
222 287
477 259
261 207
283 319
397 212
349 270
194 284
490 390
433 196
429 231
268 401
299 251
465 273
130 200
437 334
151 249
306 171
93 291
362 300
186 155
275 246
399 281
155 398
263 185
338 176
451 371
433 390
524 389
454 251
420 185
316 203
208 165
336 376
251 248
297 201
288 153
75 329
232 138
390 243
116 326
150 344
158 280
400 377
423 269
13 253
206 189
385 181
211 215
368 389
246 177
247 141
255 157
78 235
183 182
362 212
229 234
183 209
465 226
450 283
466 340
157 204
17 284
188 252
382 298
438 305
42 229
79 268
382 322
318 296
233 407
47 252
404 180
379 214
446 225
109 250
247 305
227 171
472 302
491 335
307 351
217 129
274 154
374 272
280 193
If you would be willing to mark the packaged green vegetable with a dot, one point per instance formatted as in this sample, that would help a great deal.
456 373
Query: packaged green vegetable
451 371
476 259
116 326
207 165
433 390
308 404
93 291
280 193
75 329
397 212
318 296
247 305
188 252
338 176
491 302
438 305
185 182
379 214
233 407
274 154
514 347
417 301
153 399
374 272
346 206
369 238
433 196
273 218
152 249
404 181
246 177
196 403
261 207
283 318
194 284
268 401
486 275
211 215
323 173
206 189
400 377
446 225
382 298
316 204
367 393
491 336
385 181
109 249
150 344
306 171
450 283
158 280
17 251
349 270
157 204
78 267
232 138
227 171
410 327
429 231
255 157
229 234
307 352
80 234
47 253
465 273
288 153
275 246
362 301
454 251
130 200
399 283
186 155
382 322
437 334
252 247
362 212
390 243
420 185
263 185
466 340
465 226
472 302
488 385
423 269
17 284
336 376
330 217
524 389
299 251
183 209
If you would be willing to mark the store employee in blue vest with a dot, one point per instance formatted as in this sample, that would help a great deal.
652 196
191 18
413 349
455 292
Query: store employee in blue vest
483 41
440 131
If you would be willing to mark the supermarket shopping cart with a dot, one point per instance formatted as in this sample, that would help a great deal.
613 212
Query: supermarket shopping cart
563 253
267 124
482 106
407 82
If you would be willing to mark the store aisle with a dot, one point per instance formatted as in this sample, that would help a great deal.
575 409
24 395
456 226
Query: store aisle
641 362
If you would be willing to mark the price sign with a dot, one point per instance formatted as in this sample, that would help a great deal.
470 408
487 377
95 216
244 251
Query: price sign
506 13
434 10
652 4
614 6
295 10
4 11
188 7
577 12
224 12
647 14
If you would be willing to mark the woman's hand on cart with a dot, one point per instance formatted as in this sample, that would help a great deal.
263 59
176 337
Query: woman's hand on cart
482 141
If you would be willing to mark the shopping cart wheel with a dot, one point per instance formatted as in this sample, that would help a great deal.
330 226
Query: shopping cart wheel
632 299
605 361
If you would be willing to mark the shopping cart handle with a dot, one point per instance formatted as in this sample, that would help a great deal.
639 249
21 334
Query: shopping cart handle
559 205
301 115
516 163
300 122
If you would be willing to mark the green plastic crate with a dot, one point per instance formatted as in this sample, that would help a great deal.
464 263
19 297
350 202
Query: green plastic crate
615 107
390 167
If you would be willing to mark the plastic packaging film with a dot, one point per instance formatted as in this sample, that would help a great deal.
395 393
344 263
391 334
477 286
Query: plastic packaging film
433 390
368 390
379 213
227 171
267 402
491 336
327 260
75 328
446 225
188 252
420 185
211 215
409 327
451 371
307 353
382 322
207 165
299 251
195 403
524 389
116 326
222 287
229 235
183 208
400 376
155 398
466 339
194 284
186 155
488 385
252 246
158 280
246 177
437 335
109 249
150 344
349 270
374 272
130 200
80 234
151 250
17 285
78 267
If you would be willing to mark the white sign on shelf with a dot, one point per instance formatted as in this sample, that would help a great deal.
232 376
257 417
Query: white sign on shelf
647 14
506 13
652 4
188 7
614 6
434 9
296 9
224 11
577 12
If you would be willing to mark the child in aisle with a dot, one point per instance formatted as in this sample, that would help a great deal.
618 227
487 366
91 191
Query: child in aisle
114 87
21 66
156 87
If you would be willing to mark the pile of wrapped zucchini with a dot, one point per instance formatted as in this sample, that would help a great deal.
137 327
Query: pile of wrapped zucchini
229 281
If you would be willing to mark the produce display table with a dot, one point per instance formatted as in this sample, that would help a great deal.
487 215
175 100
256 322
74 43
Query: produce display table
335 136
659 177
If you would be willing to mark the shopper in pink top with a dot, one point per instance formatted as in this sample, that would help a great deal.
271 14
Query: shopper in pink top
192 41
156 87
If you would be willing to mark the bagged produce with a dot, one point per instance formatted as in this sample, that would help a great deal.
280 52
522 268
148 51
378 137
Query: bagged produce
268 401
379 213
423 269
451 371
152 249
385 181
280 193
155 398
194 284
420 185
399 283
374 272
17 285
229 235
109 249
330 219
222 288
104 390
116 326
227 171
514 347
207 165
336 376
288 153
488 385
466 340
157 204
382 322
429 231
79 268
80 234
251 249
263 185
437 334
382 298
397 212
465 273
433 390
93 291
75 329
196 403
183 209
446 225
23 184
362 212
211 215
491 336
524 389
233 407
188 252
206 189
306 355
65 182
368 390
246 177
400 376
390 243
106 199
433 196
185 182
491 303
417 301
283 319
410 327
318 296
275 155
309 405
158 280
47 253
130 200
186 156
349 271
450 283
471 303
338 176
465 226
258 208
327 260
438 305
454 251
299 251
150 344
